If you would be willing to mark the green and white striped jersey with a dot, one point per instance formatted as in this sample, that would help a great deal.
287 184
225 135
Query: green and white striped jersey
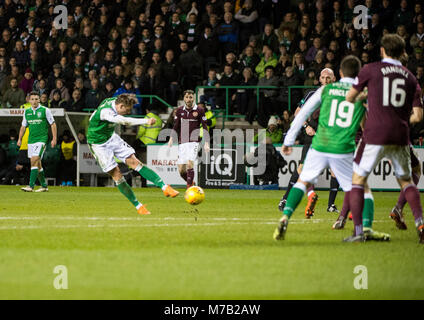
37 121
338 122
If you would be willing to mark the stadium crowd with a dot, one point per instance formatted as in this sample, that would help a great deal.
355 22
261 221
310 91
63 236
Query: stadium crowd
165 47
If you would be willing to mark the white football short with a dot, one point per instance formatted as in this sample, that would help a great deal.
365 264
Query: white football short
372 154
187 152
105 153
36 149
316 162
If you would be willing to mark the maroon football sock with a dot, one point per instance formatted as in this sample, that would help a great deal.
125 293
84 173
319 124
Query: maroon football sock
402 200
190 177
412 195
346 206
311 188
356 202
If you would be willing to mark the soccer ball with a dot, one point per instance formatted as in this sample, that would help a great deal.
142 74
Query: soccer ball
194 195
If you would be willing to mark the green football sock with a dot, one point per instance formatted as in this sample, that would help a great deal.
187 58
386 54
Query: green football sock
126 190
42 178
33 176
294 198
150 175
368 212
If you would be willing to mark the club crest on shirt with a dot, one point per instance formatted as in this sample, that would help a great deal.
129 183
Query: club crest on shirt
38 114
195 114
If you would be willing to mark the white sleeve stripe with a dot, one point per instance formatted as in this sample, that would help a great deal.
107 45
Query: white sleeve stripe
49 116
310 106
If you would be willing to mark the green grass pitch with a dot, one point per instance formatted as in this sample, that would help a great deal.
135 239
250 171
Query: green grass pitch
226 251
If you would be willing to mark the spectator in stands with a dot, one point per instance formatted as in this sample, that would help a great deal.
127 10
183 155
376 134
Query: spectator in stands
272 131
4 70
289 79
156 62
49 57
94 95
56 101
193 30
268 59
417 36
420 75
228 32
53 76
109 89
68 164
249 59
208 47
267 102
27 82
191 67
137 78
269 38
14 74
75 104
318 63
117 76
285 122
44 100
14 96
64 93
298 64
231 59
128 87
170 75
40 86
247 17
403 16
284 61
313 50
228 78
246 100
20 54
209 95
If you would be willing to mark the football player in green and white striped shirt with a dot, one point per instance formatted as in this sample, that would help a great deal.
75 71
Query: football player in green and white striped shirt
37 119
334 142
105 145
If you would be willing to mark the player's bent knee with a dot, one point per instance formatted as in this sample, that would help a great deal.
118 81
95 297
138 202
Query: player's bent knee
404 181
133 162
358 179
116 174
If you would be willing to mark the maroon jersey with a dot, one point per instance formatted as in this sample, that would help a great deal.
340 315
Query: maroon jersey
187 121
392 92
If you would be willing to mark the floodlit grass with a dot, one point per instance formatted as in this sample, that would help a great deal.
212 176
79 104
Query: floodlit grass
225 251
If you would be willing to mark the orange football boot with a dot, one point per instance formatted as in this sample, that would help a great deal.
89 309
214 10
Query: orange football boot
170 192
143 210
310 207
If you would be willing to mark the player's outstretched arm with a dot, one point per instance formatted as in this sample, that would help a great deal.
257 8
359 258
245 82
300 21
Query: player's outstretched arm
108 115
54 133
310 106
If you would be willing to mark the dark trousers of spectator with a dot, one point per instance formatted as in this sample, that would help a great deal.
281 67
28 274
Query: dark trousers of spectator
246 103
210 99
267 107
220 101
68 171
14 174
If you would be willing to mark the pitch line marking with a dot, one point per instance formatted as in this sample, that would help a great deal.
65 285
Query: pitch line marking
165 219
196 224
